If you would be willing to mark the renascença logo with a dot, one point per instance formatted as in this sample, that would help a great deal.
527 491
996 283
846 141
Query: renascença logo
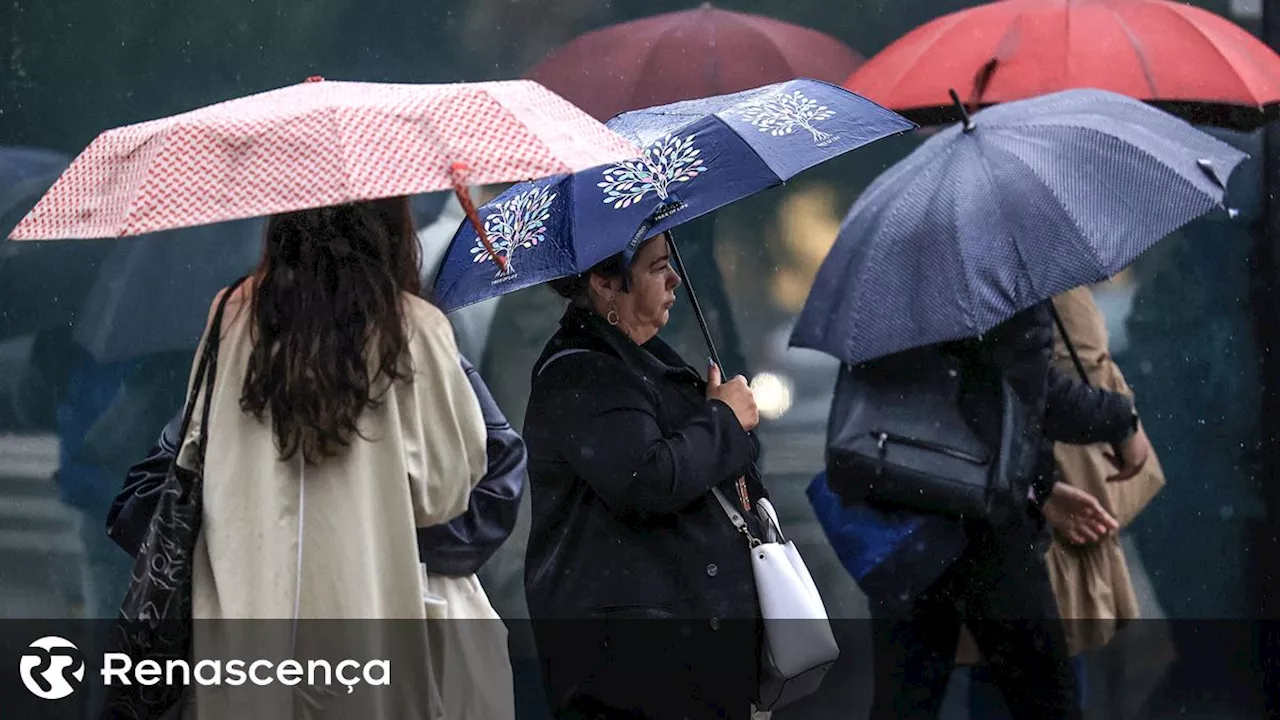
48 663
117 667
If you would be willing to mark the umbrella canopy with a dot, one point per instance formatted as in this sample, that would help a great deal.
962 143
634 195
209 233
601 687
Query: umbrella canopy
689 54
1183 58
699 155
1036 197
316 144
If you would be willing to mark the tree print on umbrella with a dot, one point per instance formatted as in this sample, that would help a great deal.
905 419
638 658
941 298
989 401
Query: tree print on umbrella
667 161
781 115
520 222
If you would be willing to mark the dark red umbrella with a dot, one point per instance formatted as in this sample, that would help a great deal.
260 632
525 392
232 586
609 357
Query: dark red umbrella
1182 58
684 55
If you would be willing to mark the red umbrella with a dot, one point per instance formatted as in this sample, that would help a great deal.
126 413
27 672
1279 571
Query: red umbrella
1185 59
316 144
685 55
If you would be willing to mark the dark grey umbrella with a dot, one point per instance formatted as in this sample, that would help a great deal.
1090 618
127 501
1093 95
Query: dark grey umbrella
152 292
987 218
41 284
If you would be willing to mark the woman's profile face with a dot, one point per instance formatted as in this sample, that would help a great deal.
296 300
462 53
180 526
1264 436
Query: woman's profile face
646 307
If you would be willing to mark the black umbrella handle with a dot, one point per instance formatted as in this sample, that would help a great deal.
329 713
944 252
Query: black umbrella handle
693 300
754 470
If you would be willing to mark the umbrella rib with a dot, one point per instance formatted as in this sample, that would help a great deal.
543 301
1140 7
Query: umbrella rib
160 138
1137 51
1000 208
746 22
343 165
947 25
1169 8
877 251
1095 131
1079 230
673 23
1125 198
964 266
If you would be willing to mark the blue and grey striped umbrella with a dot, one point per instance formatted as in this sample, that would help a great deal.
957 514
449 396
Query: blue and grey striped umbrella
987 218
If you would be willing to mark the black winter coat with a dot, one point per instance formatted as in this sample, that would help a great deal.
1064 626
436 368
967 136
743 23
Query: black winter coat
1059 406
624 449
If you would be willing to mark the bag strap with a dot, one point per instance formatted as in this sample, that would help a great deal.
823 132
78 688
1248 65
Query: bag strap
1075 358
205 374
557 356
1066 340
735 517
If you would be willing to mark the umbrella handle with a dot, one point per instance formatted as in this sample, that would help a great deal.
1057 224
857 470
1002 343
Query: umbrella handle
693 300
469 207
744 498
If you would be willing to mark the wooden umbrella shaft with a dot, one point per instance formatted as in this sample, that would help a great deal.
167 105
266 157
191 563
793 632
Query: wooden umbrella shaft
469 207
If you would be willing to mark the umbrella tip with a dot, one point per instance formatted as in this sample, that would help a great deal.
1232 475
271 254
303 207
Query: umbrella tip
964 112
1206 166
315 78
705 6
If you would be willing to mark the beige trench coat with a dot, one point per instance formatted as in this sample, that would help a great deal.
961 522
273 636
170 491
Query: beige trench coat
334 541
475 680
1091 582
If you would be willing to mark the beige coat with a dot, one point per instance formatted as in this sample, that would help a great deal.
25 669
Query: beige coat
333 541
475 680
1091 582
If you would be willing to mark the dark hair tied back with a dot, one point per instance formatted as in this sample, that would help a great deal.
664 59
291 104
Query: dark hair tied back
575 288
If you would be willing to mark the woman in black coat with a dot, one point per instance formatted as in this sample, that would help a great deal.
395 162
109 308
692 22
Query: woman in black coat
640 588
995 580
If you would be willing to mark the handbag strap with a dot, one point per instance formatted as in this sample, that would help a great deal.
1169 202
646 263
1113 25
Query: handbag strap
205 374
735 517
1066 340
1075 359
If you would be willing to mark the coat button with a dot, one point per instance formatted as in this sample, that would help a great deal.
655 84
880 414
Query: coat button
715 623
712 570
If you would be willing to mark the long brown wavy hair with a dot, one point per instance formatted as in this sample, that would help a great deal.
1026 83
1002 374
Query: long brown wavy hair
329 321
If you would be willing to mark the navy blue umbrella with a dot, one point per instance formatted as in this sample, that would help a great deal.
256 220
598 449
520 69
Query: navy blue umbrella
699 155
1018 204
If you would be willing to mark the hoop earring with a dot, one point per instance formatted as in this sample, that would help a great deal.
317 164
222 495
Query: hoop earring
612 317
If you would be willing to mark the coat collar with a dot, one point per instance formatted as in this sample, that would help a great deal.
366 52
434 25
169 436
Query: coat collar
583 328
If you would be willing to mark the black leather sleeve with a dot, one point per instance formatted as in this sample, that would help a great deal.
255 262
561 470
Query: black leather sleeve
1074 412
464 544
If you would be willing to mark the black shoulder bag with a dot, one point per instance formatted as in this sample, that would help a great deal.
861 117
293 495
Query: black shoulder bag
155 620
896 435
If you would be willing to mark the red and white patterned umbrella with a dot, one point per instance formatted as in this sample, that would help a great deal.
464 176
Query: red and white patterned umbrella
314 144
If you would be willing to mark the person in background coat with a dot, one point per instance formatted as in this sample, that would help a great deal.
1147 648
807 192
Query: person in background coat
1085 513
990 576
640 588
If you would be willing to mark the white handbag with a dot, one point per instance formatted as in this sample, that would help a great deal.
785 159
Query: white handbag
799 646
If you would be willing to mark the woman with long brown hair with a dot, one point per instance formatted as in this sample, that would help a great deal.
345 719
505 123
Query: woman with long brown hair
340 421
